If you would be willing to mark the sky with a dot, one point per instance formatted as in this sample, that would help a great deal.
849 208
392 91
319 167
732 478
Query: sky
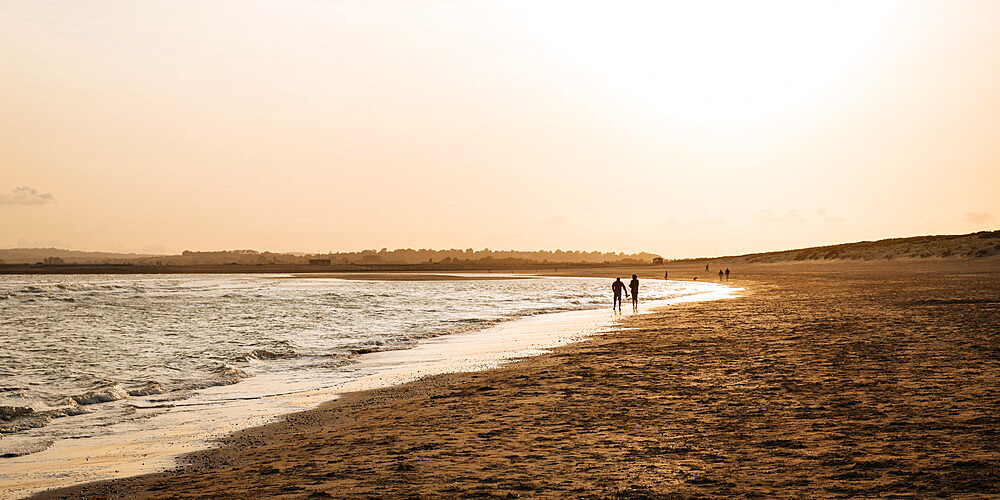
684 129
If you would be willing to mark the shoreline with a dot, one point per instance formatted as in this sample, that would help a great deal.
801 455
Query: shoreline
154 447
865 380
347 270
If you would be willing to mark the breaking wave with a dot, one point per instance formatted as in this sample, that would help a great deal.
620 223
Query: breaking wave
113 393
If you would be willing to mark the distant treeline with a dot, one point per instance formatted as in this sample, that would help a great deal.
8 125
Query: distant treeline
404 256
55 256
454 257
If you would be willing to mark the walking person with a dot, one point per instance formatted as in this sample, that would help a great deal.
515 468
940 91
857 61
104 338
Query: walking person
617 288
634 286
727 274
720 274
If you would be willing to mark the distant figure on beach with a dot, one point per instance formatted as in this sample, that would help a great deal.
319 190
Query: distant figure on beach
727 274
720 274
664 275
706 267
634 286
617 288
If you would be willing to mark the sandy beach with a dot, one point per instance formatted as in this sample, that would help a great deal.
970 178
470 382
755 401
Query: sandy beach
327 249
839 379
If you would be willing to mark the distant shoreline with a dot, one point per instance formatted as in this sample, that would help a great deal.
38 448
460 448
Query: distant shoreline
26 269
555 269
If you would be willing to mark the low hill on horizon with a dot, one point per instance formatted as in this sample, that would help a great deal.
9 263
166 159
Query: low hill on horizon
33 255
973 245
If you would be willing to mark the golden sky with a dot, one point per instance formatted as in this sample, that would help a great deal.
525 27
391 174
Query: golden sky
687 129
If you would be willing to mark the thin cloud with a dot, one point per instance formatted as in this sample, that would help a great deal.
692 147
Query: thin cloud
556 219
25 195
978 217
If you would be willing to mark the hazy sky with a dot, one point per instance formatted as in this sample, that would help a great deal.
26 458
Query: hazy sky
686 128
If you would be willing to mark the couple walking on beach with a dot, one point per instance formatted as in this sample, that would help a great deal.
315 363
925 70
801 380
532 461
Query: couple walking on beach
618 287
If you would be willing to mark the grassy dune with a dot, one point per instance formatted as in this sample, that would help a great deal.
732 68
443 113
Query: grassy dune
974 245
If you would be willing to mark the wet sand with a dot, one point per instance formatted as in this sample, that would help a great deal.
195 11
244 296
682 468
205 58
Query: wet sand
457 276
857 379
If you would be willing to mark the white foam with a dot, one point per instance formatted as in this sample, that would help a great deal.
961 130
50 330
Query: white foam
113 393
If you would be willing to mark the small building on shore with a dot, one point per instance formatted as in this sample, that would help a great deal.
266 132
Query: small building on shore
319 262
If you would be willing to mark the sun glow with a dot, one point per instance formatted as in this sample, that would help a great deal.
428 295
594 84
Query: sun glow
714 63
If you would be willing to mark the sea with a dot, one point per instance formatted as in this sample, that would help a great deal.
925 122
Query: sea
110 375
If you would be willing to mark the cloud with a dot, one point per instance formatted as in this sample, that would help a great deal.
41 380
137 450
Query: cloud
978 217
556 219
25 195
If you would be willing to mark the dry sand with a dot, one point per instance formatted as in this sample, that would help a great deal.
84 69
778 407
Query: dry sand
864 379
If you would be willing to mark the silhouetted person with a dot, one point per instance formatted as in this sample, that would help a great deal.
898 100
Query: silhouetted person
664 275
727 273
617 288
634 286
720 274
706 267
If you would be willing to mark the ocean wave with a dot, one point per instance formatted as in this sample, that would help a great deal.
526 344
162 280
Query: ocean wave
365 350
113 393
224 374
472 320
328 361
264 354
227 375
12 412
149 389
61 289
68 411
19 418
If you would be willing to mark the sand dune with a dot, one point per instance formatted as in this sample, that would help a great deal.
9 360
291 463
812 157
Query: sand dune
974 245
